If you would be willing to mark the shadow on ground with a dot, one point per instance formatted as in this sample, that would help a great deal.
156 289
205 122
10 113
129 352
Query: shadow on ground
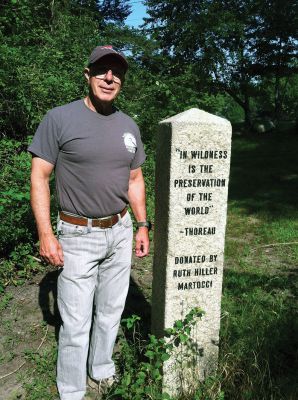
136 303
264 174
48 300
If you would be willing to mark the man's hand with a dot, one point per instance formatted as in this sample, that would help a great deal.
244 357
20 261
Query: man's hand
142 242
136 196
51 250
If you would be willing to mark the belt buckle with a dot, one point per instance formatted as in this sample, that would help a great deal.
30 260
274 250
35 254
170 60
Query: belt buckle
108 220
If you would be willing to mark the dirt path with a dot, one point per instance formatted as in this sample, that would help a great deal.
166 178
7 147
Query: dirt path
22 330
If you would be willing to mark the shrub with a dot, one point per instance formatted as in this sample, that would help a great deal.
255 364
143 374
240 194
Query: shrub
17 221
17 230
141 361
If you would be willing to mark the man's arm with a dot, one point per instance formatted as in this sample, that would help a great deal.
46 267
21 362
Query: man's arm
137 200
50 249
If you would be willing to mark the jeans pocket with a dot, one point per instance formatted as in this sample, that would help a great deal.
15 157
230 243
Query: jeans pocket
67 230
126 220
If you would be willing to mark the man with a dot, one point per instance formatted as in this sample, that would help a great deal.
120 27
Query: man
97 154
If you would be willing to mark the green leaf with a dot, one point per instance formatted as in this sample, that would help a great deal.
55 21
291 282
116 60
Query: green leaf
165 357
183 337
150 354
178 324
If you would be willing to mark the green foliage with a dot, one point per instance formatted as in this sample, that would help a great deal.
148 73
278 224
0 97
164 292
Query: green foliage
19 266
130 322
141 363
17 230
287 91
4 299
44 68
116 11
149 177
45 74
231 45
245 50
17 221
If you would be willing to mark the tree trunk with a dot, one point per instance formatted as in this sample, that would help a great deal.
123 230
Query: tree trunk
247 112
244 104
277 97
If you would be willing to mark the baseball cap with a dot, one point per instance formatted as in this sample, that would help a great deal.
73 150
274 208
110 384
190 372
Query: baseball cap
102 51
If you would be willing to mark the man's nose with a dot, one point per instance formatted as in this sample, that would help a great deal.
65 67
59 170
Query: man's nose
109 75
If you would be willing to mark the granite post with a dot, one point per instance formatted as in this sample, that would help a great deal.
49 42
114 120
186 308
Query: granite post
192 175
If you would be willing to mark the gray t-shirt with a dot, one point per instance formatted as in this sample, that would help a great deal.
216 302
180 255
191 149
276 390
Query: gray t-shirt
93 155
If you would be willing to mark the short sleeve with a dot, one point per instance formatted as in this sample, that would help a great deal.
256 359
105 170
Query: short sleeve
45 142
140 155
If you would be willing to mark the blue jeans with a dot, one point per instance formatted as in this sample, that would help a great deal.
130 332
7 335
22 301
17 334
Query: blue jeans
93 282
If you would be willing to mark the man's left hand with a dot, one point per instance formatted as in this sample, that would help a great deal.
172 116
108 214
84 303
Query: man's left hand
142 242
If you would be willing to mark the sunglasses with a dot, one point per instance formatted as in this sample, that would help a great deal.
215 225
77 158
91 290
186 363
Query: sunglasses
101 72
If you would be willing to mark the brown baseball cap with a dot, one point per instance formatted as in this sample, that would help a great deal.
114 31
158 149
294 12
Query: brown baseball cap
102 51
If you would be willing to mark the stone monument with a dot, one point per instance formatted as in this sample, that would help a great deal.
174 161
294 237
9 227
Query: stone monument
192 175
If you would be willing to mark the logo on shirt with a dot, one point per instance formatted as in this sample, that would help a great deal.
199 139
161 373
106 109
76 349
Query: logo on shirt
130 142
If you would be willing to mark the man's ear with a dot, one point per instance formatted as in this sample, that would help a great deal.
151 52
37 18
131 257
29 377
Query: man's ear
87 74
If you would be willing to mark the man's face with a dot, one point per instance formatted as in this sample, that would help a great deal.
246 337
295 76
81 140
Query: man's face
105 78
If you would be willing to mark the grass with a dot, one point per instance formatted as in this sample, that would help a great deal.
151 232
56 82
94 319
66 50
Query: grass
259 328
40 377
258 355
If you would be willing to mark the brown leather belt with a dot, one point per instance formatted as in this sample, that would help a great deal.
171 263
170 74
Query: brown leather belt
105 222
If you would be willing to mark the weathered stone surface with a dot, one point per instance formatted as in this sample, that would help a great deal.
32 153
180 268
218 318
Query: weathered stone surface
192 174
